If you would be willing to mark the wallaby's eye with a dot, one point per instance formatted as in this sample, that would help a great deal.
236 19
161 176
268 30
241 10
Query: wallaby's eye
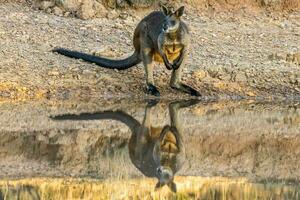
165 27
173 23
159 171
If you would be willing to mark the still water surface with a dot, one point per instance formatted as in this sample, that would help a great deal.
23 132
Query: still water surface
184 149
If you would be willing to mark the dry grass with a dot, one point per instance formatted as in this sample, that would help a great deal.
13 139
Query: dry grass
15 92
188 187
291 5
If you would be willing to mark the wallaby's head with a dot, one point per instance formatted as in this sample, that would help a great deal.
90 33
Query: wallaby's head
172 20
165 177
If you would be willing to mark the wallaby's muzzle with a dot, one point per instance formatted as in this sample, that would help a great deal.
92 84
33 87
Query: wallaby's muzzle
165 175
171 25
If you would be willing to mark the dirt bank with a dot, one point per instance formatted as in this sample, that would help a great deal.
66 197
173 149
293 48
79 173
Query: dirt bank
87 9
232 54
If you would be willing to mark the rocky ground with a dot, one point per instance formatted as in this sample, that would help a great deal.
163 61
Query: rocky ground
232 54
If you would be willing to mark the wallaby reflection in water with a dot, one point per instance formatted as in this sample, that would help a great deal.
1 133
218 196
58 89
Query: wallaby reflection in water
156 152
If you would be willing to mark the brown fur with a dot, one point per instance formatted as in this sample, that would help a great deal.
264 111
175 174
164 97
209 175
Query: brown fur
172 53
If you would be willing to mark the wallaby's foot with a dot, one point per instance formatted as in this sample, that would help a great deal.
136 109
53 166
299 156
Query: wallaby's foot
152 90
152 102
186 89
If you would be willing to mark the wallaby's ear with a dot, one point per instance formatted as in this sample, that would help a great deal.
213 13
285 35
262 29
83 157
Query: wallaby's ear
179 11
165 10
172 186
158 186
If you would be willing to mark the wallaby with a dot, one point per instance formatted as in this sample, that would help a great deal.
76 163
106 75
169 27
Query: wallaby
156 152
161 36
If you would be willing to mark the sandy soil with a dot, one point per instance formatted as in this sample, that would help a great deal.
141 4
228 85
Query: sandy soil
232 54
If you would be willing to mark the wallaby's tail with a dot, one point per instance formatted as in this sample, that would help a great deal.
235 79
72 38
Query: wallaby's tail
102 62
115 115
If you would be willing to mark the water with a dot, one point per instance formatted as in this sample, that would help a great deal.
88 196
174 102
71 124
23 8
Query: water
128 149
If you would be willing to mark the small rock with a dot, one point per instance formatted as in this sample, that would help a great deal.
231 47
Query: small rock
53 73
129 21
57 11
70 5
100 51
250 94
240 77
200 74
88 73
111 3
100 10
46 4
49 10
105 52
121 3
86 11
118 25
277 56
284 25
67 14
112 14
123 15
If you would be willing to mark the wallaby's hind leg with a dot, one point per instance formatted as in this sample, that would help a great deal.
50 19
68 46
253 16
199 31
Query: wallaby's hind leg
142 135
175 106
147 58
176 81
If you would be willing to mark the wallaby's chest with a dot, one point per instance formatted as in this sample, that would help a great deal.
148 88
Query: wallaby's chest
168 143
171 49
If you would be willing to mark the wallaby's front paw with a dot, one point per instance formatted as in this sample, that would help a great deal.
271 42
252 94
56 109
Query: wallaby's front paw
169 66
152 90
175 66
187 89
177 63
